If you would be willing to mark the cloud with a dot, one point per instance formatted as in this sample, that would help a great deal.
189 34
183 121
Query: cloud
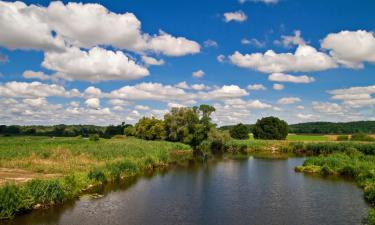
250 104
328 108
152 61
150 91
210 43
289 100
254 42
305 59
82 25
225 92
351 48
35 90
355 97
183 85
281 77
142 107
278 87
256 87
238 16
198 73
93 103
28 74
220 58
93 92
307 116
95 65
288 41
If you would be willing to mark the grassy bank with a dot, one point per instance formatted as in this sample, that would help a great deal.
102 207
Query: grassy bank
78 164
356 162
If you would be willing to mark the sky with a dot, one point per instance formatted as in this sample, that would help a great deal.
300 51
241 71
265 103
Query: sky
104 62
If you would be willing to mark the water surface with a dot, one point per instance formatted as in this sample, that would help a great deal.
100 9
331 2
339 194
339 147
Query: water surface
253 191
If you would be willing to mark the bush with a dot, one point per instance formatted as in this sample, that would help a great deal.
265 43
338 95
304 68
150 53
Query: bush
11 201
371 217
342 138
45 191
129 131
370 195
94 137
150 129
270 128
239 131
361 137
97 175
217 140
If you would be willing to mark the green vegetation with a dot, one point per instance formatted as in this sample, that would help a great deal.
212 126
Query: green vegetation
76 164
292 137
367 127
239 131
342 138
361 137
270 128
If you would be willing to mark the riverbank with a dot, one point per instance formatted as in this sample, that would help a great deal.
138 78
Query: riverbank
64 168
79 164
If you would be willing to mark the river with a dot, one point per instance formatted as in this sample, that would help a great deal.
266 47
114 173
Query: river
252 191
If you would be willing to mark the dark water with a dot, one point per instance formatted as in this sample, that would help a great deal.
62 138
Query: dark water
253 191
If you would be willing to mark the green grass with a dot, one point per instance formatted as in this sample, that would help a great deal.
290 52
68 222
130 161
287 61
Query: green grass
292 137
78 163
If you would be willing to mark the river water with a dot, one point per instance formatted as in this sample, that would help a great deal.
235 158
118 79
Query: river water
252 191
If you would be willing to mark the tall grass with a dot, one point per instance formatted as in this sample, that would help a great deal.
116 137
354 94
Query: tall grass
79 163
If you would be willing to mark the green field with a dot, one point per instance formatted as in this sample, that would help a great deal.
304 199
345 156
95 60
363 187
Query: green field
297 137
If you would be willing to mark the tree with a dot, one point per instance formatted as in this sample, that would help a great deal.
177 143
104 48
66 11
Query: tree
239 131
129 130
271 128
150 129
189 125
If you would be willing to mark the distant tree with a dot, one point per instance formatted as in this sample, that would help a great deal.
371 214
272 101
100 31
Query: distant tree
271 128
239 131
129 130
112 130
150 129
189 125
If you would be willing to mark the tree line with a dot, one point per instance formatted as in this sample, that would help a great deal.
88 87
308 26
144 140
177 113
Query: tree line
367 127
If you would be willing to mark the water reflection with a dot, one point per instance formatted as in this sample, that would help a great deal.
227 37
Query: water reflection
252 191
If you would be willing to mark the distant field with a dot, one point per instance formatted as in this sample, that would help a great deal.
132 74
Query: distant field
292 137
298 137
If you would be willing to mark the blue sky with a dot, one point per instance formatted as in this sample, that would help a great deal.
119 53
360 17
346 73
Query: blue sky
80 62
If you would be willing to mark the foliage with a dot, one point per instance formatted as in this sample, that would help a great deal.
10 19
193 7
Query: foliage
97 175
361 137
271 128
81 161
333 128
94 137
150 129
217 140
239 131
188 125
342 138
129 131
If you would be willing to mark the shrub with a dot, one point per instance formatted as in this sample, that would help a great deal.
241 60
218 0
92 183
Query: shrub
342 138
217 140
271 128
326 170
11 201
97 175
370 195
239 131
45 191
123 167
94 137
150 129
371 217
129 131
362 137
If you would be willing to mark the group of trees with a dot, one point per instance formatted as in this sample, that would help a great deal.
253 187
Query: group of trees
367 127
271 128
63 130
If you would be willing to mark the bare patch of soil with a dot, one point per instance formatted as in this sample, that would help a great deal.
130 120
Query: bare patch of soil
21 176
